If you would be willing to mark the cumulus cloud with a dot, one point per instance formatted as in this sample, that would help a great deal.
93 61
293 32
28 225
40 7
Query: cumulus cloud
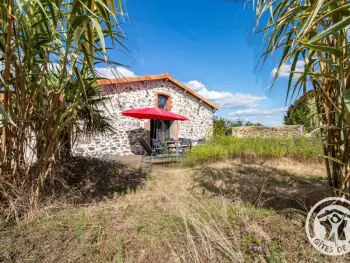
225 99
118 72
195 85
286 69
256 113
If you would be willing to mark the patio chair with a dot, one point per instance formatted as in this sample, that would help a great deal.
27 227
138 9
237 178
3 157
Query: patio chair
152 153
185 144
157 145
200 141
170 146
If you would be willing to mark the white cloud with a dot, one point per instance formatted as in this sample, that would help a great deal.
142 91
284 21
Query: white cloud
256 113
225 99
118 72
286 69
195 85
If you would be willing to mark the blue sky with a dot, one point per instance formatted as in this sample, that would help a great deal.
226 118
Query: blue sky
208 45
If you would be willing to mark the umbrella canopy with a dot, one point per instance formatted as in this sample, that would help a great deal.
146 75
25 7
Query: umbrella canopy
154 114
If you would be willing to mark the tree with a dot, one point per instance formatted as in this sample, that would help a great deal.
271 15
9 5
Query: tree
223 126
297 115
250 124
315 33
48 52
300 113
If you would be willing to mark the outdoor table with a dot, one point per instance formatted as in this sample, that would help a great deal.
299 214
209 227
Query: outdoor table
176 142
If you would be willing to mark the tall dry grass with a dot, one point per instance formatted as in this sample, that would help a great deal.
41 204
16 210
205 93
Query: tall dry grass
223 230
206 233
168 220
78 180
223 147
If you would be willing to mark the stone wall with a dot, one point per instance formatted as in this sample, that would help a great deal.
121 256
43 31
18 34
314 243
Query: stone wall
286 130
143 95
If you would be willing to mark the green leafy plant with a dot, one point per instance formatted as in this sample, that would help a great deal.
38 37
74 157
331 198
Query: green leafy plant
49 50
300 112
315 34
223 126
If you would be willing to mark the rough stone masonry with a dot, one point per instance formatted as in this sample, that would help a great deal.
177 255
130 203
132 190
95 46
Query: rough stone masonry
265 131
143 94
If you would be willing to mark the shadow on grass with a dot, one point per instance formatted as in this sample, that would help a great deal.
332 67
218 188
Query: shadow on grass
266 187
95 179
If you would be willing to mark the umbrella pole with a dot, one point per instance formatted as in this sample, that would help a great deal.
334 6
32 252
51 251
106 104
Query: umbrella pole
155 129
154 133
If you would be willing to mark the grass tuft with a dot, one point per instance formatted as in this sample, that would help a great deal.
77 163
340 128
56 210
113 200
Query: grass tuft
299 148
239 217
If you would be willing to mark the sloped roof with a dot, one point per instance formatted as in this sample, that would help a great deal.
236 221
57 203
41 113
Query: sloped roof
165 76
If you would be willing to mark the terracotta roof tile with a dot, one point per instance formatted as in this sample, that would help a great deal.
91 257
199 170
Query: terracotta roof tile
165 76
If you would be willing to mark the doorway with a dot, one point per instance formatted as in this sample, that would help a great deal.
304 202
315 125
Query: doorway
160 129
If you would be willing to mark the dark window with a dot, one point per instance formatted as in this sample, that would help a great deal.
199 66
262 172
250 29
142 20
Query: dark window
163 102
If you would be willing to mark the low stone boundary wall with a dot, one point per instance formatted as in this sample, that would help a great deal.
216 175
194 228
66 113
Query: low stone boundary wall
285 130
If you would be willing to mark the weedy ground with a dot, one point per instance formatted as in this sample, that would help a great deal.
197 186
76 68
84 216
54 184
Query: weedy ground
300 148
230 211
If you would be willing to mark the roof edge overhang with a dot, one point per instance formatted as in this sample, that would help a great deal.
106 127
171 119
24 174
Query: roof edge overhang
166 76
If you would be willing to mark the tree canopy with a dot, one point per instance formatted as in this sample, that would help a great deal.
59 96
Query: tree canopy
301 113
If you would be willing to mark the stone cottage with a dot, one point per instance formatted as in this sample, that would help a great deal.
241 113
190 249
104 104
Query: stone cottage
161 91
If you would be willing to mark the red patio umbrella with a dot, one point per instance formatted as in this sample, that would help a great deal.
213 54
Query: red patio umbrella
154 114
